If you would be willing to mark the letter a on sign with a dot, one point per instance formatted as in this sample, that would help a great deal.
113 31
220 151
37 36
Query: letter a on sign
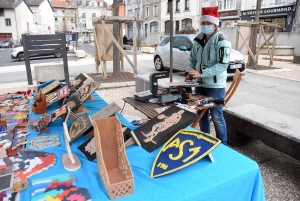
184 148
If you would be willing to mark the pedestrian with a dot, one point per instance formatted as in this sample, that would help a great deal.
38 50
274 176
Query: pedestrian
208 62
125 40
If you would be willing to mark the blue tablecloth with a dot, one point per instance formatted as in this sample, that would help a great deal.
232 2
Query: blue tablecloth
231 177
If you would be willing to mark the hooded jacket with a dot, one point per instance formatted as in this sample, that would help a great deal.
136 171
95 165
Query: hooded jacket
211 58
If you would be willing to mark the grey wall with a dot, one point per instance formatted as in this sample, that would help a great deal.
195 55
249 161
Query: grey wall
230 33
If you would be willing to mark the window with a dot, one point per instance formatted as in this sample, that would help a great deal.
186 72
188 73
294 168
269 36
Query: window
146 30
153 27
94 15
169 6
262 3
83 15
1 12
164 41
278 1
129 2
155 10
55 18
186 23
205 3
167 27
180 41
220 4
7 22
229 4
187 4
147 12
63 11
177 5
129 13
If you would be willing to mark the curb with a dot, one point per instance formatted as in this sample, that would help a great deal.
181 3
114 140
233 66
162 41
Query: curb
278 59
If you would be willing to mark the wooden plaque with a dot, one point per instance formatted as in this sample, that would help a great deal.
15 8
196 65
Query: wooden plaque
50 87
161 128
108 111
40 105
82 125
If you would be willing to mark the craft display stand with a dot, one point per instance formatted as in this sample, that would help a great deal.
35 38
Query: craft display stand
113 165
40 105
70 161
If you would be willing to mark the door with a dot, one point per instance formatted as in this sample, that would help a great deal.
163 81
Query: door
181 58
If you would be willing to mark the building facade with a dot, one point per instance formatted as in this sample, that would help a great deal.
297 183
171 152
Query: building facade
15 19
43 20
64 15
185 16
152 22
280 12
134 8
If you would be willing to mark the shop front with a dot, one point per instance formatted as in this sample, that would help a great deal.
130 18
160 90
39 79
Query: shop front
229 18
280 15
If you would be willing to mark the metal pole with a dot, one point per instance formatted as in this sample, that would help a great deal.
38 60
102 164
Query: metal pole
27 62
171 39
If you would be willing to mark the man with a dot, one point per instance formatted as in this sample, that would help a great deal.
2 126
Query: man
208 61
125 40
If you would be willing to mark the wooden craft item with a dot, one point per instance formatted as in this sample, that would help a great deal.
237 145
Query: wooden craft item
81 126
40 105
88 87
113 166
20 138
161 128
79 80
89 149
19 186
50 87
70 161
8 196
57 95
3 127
43 142
3 153
42 124
52 189
108 111
13 152
29 163
183 149
6 181
6 166
58 113
6 140
40 185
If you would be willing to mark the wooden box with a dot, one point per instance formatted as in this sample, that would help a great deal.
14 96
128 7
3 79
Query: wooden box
113 166
40 105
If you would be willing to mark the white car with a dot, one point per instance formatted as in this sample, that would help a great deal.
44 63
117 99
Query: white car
161 57
18 53
80 39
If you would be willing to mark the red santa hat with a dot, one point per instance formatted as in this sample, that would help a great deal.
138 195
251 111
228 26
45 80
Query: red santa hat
210 14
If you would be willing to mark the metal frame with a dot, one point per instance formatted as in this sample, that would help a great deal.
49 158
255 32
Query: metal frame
45 44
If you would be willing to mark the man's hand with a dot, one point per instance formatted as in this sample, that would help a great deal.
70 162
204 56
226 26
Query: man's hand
193 73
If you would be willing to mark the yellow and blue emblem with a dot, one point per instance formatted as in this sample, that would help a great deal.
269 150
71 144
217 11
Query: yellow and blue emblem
184 148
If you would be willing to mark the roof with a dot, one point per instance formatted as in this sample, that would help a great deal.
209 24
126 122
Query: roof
9 3
33 2
62 4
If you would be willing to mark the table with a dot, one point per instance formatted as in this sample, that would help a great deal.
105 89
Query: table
231 177
148 109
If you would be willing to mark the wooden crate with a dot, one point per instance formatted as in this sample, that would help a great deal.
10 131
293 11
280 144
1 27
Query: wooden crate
113 166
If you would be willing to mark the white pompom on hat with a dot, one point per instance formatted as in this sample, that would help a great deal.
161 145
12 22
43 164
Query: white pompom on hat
210 14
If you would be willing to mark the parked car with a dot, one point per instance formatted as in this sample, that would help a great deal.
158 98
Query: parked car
6 44
80 39
18 53
181 57
87 40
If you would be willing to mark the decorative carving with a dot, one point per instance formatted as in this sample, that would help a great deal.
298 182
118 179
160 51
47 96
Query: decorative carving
108 111
81 126
42 124
43 142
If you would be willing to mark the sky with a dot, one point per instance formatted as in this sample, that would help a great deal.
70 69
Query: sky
109 1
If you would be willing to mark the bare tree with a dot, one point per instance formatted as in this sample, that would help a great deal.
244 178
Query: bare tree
139 19
254 32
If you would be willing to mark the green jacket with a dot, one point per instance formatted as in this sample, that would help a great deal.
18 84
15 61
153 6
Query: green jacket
211 59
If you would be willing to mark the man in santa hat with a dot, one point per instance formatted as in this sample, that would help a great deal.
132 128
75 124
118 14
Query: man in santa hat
208 61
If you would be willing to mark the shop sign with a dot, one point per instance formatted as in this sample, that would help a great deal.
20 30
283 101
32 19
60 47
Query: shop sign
269 10
228 13
183 149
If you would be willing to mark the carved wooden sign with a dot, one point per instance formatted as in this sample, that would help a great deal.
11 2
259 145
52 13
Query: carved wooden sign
88 87
161 128
50 87
57 95
183 149
108 111
82 125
